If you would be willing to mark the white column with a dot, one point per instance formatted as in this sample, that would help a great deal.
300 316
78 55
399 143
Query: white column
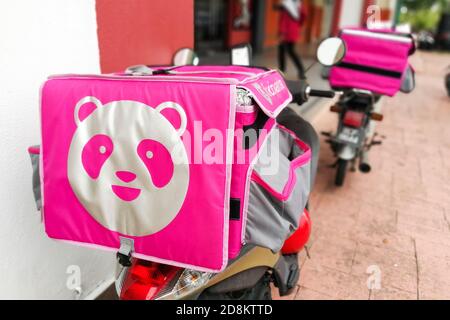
39 38
351 13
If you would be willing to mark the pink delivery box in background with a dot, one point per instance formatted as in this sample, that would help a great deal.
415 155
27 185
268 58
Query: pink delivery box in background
374 60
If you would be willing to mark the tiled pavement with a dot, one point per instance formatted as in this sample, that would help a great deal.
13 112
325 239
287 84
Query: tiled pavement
395 221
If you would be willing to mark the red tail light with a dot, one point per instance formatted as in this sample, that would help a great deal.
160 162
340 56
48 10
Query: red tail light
146 279
353 119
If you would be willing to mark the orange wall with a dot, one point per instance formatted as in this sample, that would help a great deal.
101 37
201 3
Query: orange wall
142 31
235 36
271 27
336 17
309 30
317 17
385 14
308 25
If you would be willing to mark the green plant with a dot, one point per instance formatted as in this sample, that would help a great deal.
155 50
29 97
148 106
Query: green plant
423 14
426 4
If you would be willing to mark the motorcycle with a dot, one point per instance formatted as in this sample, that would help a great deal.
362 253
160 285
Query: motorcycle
358 112
248 277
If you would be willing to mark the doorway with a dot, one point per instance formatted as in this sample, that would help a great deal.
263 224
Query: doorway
210 26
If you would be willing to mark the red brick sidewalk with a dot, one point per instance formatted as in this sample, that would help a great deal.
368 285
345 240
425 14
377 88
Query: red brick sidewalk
395 220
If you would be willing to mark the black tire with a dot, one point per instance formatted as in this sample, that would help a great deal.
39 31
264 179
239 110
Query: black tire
447 84
341 172
260 292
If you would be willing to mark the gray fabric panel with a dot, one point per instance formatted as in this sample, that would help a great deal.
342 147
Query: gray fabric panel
271 221
274 162
272 165
265 224
36 180
295 205
275 175
286 142
296 152
305 131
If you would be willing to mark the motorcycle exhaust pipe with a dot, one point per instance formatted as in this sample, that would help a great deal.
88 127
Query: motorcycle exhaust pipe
364 165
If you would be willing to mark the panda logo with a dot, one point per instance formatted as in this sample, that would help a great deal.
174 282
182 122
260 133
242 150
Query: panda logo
128 166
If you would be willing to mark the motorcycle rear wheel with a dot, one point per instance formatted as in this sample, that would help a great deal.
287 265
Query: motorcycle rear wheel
447 84
341 172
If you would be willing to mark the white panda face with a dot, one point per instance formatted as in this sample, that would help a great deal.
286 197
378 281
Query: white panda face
128 166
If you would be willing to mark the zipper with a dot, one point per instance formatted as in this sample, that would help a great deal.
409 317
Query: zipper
250 74
143 78
160 76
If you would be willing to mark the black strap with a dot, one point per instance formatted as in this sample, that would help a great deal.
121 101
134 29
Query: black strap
235 209
373 70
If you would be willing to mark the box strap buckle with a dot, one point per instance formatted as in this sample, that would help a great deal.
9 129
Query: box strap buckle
125 251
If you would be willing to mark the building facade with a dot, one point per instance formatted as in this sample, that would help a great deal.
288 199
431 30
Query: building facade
225 23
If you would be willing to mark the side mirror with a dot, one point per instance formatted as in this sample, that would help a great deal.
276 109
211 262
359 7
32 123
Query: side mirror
409 81
185 57
241 55
331 51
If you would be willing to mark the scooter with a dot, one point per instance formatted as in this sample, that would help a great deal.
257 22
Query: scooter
354 138
358 112
248 277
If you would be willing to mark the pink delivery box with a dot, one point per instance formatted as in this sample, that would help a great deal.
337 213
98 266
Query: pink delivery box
152 160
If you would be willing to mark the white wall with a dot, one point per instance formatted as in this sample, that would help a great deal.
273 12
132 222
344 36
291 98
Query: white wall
351 13
38 38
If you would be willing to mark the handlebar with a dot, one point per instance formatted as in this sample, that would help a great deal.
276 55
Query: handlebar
322 93
301 91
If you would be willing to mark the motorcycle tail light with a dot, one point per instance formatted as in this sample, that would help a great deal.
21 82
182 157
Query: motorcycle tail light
188 282
145 280
353 119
